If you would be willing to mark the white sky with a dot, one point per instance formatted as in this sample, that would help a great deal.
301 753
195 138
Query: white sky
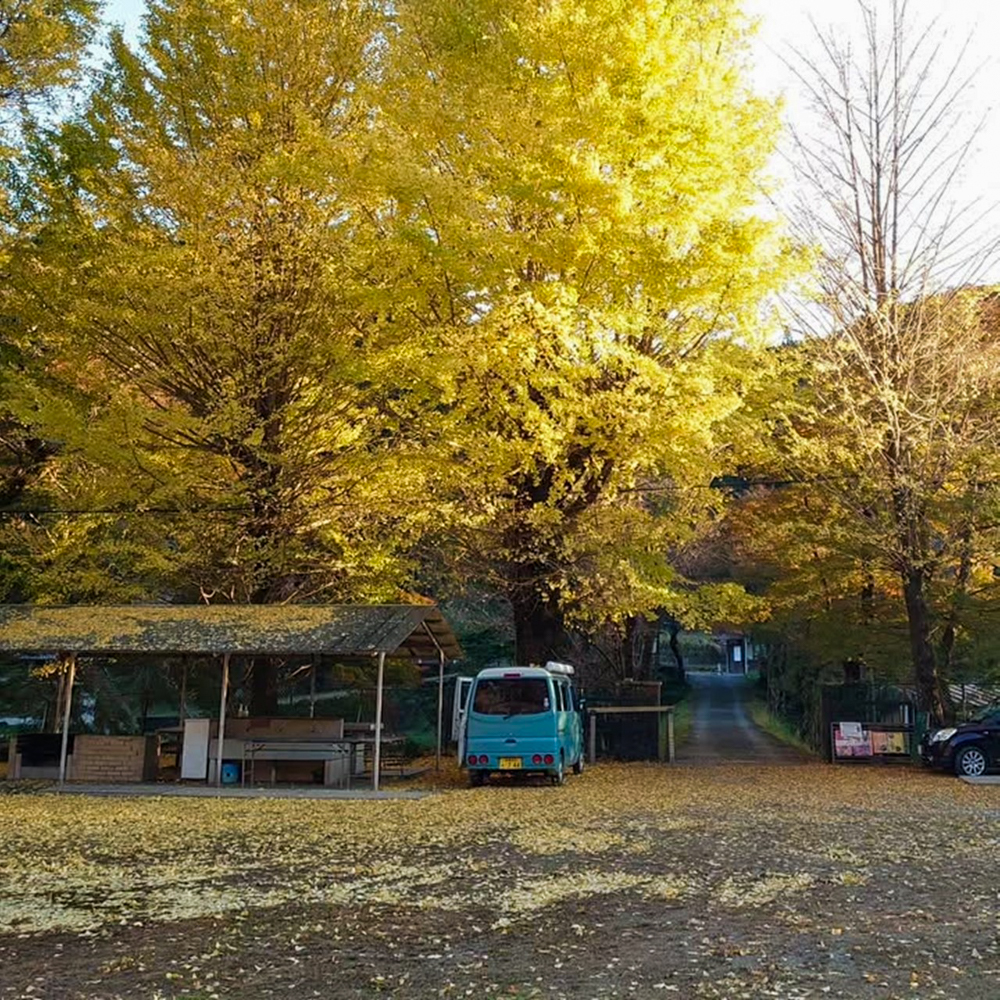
785 29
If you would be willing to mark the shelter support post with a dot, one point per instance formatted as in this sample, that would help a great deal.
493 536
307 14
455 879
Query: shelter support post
377 757
222 719
63 752
437 765
593 738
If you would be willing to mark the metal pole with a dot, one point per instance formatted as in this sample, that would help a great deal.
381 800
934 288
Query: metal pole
66 713
222 719
593 738
440 705
377 761
671 750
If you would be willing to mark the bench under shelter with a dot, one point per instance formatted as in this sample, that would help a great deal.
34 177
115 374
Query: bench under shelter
373 632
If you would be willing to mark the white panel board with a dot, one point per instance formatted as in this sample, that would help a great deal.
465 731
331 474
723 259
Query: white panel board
194 757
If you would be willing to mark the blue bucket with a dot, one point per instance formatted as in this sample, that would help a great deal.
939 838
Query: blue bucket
230 772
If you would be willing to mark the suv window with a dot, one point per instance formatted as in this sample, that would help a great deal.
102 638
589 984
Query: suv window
989 715
512 696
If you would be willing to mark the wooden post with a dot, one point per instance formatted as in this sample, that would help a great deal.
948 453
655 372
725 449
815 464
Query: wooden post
661 736
671 750
66 714
377 757
222 719
593 737
440 706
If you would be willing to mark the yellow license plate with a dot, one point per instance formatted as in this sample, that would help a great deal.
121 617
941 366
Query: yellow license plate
510 763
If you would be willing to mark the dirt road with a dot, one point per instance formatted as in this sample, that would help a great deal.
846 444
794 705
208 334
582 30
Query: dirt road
723 733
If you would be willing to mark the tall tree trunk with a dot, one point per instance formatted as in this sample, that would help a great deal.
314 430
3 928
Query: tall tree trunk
182 708
950 633
55 721
539 630
925 670
674 628
264 687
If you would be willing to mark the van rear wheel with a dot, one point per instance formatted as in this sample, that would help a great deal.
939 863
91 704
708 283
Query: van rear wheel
578 766
559 777
478 778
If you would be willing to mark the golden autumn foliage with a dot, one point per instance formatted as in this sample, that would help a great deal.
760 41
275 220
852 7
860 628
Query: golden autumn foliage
337 282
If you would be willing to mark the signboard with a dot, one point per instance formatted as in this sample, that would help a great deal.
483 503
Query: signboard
854 740
889 744
851 739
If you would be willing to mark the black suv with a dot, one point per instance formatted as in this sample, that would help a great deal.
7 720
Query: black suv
971 748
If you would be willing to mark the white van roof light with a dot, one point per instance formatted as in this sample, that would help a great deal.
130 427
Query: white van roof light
558 668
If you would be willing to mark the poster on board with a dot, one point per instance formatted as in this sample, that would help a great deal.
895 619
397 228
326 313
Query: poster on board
889 744
851 739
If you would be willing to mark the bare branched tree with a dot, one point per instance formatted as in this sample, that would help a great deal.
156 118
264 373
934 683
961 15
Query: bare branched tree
903 335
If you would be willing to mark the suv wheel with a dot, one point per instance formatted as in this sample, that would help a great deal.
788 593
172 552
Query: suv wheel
970 762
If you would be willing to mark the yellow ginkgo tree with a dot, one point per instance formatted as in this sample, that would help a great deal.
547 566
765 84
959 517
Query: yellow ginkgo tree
338 279
579 183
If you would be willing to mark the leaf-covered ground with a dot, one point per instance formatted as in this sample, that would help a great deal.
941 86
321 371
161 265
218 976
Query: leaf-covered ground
630 881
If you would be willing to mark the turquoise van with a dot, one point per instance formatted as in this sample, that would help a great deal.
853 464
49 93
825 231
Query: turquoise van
524 720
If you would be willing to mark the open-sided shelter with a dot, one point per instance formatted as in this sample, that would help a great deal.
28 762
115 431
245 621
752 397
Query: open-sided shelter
373 631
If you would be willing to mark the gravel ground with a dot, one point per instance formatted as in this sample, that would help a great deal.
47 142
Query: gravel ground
728 881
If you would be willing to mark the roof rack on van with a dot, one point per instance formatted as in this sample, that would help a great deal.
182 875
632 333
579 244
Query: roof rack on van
558 668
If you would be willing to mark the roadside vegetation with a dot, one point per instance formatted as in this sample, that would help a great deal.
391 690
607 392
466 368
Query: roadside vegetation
776 725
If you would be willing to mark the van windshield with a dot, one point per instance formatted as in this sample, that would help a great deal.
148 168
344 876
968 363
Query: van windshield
512 696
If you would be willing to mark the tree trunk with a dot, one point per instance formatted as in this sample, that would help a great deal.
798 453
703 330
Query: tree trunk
950 633
928 681
55 720
182 709
674 629
263 687
638 648
539 630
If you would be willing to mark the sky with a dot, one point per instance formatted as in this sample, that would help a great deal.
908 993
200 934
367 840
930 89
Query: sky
785 29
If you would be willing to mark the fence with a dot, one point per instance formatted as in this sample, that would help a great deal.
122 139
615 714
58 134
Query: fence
632 732
868 722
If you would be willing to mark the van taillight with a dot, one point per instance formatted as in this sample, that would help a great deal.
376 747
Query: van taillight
472 758
483 759
537 759
549 759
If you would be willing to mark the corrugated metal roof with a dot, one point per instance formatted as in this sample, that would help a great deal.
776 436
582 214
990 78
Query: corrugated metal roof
344 630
